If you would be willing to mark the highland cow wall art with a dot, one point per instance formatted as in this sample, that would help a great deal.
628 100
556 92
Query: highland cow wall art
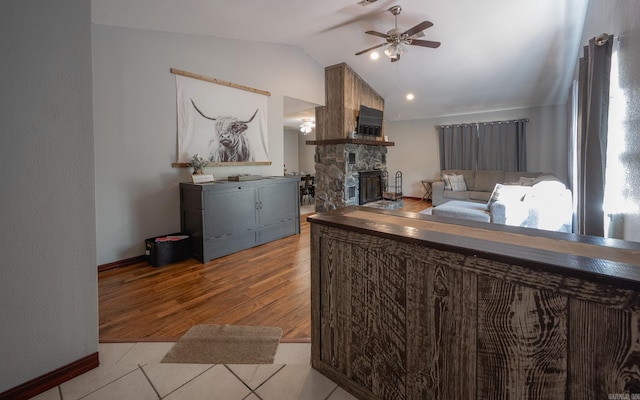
222 123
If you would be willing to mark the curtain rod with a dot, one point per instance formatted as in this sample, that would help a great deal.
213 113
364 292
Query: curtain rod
483 123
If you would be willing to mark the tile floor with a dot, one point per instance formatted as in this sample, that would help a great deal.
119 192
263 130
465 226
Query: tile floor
133 371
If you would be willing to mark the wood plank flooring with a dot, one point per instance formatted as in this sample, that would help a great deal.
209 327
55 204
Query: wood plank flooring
268 285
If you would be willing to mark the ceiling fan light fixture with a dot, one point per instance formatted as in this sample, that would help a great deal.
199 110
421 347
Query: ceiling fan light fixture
306 126
391 51
395 50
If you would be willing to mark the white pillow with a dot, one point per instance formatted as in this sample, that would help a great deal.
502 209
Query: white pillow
445 180
547 189
507 193
457 183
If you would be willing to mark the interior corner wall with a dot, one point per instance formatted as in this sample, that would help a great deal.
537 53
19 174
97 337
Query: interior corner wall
48 278
416 151
135 121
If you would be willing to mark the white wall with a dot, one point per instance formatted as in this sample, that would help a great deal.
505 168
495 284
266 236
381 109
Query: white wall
48 279
306 153
135 121
291 149
622 18
299 156
416 146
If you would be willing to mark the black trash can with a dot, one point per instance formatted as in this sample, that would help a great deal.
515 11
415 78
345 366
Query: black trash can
167 249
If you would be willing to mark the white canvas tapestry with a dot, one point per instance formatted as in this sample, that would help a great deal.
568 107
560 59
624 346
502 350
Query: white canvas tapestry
220 123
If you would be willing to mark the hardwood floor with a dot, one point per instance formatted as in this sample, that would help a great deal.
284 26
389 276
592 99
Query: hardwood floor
267 285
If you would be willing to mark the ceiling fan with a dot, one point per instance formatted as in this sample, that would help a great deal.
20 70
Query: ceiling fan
396 39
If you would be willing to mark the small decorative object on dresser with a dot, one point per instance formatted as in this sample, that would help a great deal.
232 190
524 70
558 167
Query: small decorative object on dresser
243 177
198 176
198 163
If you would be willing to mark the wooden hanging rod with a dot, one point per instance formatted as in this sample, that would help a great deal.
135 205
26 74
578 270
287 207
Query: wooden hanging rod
223 164
218 81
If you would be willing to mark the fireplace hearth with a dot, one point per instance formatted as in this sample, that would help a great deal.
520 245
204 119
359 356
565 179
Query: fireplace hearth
370 186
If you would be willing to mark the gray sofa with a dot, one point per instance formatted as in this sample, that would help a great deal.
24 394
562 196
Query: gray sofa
480 184
527 199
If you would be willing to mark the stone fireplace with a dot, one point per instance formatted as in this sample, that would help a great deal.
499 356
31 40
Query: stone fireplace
338 170
340 155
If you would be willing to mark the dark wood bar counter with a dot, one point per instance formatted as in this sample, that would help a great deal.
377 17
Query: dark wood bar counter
406 306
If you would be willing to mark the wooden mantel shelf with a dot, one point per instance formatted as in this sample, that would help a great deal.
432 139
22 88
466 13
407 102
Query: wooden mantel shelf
349 141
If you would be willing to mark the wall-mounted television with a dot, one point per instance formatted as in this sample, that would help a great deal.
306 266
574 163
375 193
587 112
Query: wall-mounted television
369 121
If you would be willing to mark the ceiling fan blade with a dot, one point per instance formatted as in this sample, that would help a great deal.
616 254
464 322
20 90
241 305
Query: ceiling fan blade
374 33
357 19
418 28
370 48
425 43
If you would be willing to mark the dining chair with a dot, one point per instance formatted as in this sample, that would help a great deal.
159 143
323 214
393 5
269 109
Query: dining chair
304 187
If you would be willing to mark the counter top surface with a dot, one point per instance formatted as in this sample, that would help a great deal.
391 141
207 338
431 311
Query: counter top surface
604 260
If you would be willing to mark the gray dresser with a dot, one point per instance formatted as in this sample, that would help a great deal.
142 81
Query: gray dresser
224 217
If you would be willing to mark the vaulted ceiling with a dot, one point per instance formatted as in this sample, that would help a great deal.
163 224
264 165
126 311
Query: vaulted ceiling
495 54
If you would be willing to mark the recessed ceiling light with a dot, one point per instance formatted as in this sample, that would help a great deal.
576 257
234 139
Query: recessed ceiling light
410 96
374 55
